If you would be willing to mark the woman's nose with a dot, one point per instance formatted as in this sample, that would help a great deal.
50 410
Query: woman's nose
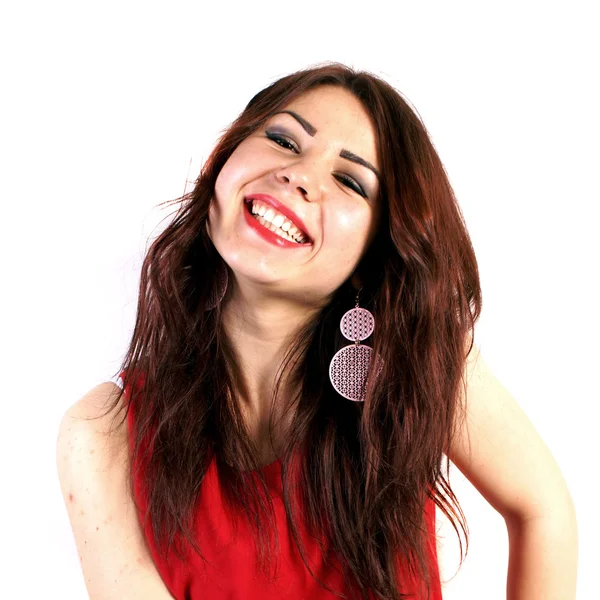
300 177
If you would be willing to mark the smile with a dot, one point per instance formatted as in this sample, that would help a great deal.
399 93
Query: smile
273 232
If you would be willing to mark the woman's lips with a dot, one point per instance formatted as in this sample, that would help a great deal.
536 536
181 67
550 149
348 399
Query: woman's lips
281 208
267 234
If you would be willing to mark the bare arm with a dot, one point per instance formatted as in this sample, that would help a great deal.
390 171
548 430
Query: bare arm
92 467
501 454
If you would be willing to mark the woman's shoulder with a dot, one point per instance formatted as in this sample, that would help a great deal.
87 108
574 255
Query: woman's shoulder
93 467
95 410
95 421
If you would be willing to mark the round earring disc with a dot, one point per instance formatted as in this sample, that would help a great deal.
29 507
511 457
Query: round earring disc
357 324
348 371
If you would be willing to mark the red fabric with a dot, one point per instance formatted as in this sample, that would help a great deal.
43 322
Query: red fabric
233 574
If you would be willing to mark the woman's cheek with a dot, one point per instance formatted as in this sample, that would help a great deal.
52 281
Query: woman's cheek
351 224
345 241
234 174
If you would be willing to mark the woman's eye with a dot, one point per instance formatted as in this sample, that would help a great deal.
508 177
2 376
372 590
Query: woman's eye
278 139
283 142
352 185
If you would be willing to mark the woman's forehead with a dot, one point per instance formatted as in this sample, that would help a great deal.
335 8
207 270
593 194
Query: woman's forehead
333 111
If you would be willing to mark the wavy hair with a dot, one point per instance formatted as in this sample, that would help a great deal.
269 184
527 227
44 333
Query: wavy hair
372 465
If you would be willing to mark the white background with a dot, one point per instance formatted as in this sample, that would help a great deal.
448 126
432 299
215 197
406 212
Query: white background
104 104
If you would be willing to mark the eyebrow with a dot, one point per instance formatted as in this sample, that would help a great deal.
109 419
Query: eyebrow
311 130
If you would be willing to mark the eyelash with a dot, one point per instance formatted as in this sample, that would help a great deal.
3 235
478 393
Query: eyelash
348 180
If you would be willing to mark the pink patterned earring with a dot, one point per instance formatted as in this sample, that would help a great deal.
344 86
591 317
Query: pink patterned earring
219 288
349 366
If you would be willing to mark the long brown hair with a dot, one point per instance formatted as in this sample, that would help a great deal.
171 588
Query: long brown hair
372 465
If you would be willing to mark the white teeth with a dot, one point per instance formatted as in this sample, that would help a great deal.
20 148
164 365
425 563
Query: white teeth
276 230
277 223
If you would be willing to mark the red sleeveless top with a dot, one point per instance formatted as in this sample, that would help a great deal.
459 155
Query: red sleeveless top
232 573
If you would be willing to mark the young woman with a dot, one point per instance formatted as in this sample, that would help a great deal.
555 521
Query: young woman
302 363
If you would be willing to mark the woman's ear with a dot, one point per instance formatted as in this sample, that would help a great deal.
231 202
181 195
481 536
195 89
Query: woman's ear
356 281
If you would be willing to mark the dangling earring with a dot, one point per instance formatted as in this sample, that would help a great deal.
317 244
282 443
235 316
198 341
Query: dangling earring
219 287
349 366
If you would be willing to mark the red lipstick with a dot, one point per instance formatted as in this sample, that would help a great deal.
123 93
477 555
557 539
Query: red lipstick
282 208
267 234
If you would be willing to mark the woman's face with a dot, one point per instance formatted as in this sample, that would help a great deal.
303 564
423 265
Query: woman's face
335 199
